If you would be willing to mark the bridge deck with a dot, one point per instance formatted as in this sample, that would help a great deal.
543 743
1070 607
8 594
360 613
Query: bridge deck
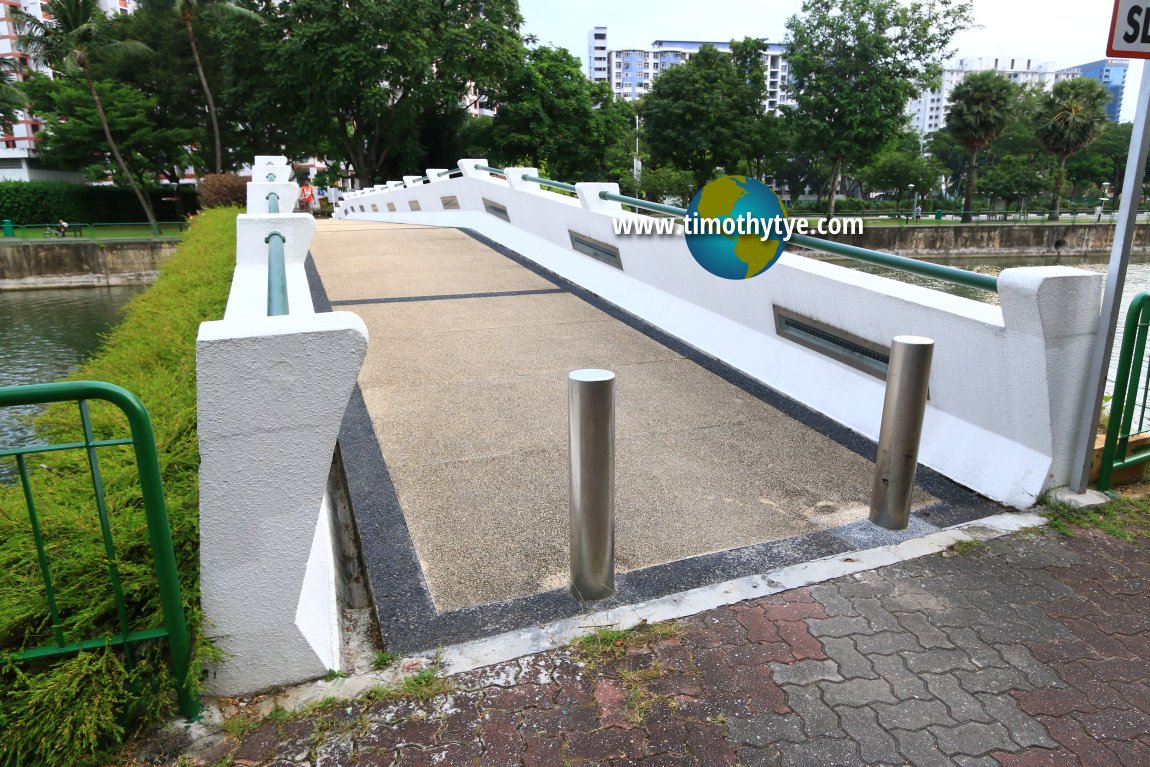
465 389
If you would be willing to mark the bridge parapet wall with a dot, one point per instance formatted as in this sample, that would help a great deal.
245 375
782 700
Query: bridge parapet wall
1007 380
271 394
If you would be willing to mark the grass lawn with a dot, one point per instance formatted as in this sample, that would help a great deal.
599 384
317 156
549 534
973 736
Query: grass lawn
168 230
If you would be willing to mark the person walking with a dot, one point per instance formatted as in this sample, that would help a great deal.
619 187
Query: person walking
307 196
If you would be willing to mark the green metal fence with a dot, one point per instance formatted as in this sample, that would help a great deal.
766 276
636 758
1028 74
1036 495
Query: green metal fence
1128 416
142 440
11 232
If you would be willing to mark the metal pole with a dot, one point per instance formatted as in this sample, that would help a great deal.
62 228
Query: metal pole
907 380
1112 299
591 409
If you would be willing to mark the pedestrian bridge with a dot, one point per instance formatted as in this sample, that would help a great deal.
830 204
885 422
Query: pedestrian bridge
445 312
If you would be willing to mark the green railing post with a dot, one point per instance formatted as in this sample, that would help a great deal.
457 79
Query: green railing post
1130 360
143 441
273 202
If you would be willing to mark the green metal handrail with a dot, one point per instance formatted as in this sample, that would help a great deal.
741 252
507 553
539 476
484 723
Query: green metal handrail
273 202
889 260
549 182
277 276
143 441
1131 360
448 172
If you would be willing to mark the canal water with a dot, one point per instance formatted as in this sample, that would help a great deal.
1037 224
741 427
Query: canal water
44 334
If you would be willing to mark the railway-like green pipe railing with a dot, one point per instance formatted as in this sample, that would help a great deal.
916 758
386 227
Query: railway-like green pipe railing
549 182
143 443
443 173
889 260
1116 452
271 177
273 202
277 276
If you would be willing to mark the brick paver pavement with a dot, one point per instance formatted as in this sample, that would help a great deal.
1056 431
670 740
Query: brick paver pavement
1032 650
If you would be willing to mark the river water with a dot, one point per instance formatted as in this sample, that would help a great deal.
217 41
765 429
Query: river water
44 334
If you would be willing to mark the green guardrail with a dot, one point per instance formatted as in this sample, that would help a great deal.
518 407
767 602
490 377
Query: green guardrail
273 202
90 231
143 442
1130 397
277 276
889 260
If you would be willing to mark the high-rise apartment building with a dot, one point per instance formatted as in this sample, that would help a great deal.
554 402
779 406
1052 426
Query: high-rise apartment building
928 111
18 144
632 71
1112 74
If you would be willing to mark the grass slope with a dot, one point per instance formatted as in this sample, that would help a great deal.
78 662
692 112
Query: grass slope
68 711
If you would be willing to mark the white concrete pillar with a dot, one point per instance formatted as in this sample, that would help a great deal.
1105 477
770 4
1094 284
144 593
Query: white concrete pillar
467 167
433 175
258 193
269 159
589 198
279 174
410 181
515 179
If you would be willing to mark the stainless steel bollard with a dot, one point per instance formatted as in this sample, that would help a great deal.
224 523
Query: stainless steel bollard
907 380
591 409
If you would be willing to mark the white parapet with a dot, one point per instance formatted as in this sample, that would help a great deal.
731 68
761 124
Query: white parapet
1006 384
258 192
271 394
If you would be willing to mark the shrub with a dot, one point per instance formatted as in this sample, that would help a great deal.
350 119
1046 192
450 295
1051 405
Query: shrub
218 190
41 202
66 710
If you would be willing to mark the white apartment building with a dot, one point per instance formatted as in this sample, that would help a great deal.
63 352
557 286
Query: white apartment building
18 145
631 71
928 111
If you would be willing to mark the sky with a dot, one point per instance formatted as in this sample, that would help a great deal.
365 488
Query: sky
1065 32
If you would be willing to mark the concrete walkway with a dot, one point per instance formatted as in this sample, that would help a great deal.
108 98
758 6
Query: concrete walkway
465 388
1032 650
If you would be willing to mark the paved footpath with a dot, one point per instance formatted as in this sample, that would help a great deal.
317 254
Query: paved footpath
1031 650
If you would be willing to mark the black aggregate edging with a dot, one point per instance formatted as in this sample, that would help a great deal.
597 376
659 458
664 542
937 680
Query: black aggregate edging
407 616
444 297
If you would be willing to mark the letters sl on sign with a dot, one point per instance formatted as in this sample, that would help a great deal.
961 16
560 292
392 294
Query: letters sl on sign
1130 29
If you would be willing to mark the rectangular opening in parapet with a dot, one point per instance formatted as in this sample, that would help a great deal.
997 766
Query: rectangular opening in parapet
374 208
838 344
391 207
495 209
450 203
414 205
361 210
600 251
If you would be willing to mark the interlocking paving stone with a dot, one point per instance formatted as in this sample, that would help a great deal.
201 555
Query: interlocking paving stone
851 663
792 679
807 671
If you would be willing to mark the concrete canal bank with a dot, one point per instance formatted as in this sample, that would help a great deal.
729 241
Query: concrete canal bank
34 264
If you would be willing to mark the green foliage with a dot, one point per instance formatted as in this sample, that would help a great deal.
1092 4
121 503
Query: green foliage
979 108
73 135
222 189
1125 517
65 712
1068 120
900 167
854 65
551 116
42 202
701 115
383 659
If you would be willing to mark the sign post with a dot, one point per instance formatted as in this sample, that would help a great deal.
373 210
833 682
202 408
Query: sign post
1129 36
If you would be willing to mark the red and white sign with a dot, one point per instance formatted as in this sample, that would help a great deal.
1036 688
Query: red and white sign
1130 29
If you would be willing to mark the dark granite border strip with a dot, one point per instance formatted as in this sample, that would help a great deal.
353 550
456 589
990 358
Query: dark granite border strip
446 297
407 616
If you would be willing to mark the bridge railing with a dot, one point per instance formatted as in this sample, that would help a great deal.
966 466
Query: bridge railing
1008 370
274 377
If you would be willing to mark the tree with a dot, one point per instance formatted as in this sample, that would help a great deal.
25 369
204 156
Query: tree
695 116
854 65
187 10
73 136
12 98
978 109
900 166
356 79
77 31
551 116
1068 120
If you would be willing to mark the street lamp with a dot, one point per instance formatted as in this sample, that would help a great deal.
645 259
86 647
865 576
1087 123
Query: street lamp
914 205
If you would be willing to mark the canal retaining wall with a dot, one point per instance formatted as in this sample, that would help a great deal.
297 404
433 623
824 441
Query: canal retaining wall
951 241
51 263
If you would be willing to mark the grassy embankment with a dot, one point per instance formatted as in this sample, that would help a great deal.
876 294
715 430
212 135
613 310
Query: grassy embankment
68 712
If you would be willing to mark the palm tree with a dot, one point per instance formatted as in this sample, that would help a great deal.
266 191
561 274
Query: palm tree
187 10
12 99
1069 118
77 30
978 110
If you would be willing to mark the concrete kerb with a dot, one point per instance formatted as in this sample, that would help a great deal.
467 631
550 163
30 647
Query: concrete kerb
467 656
